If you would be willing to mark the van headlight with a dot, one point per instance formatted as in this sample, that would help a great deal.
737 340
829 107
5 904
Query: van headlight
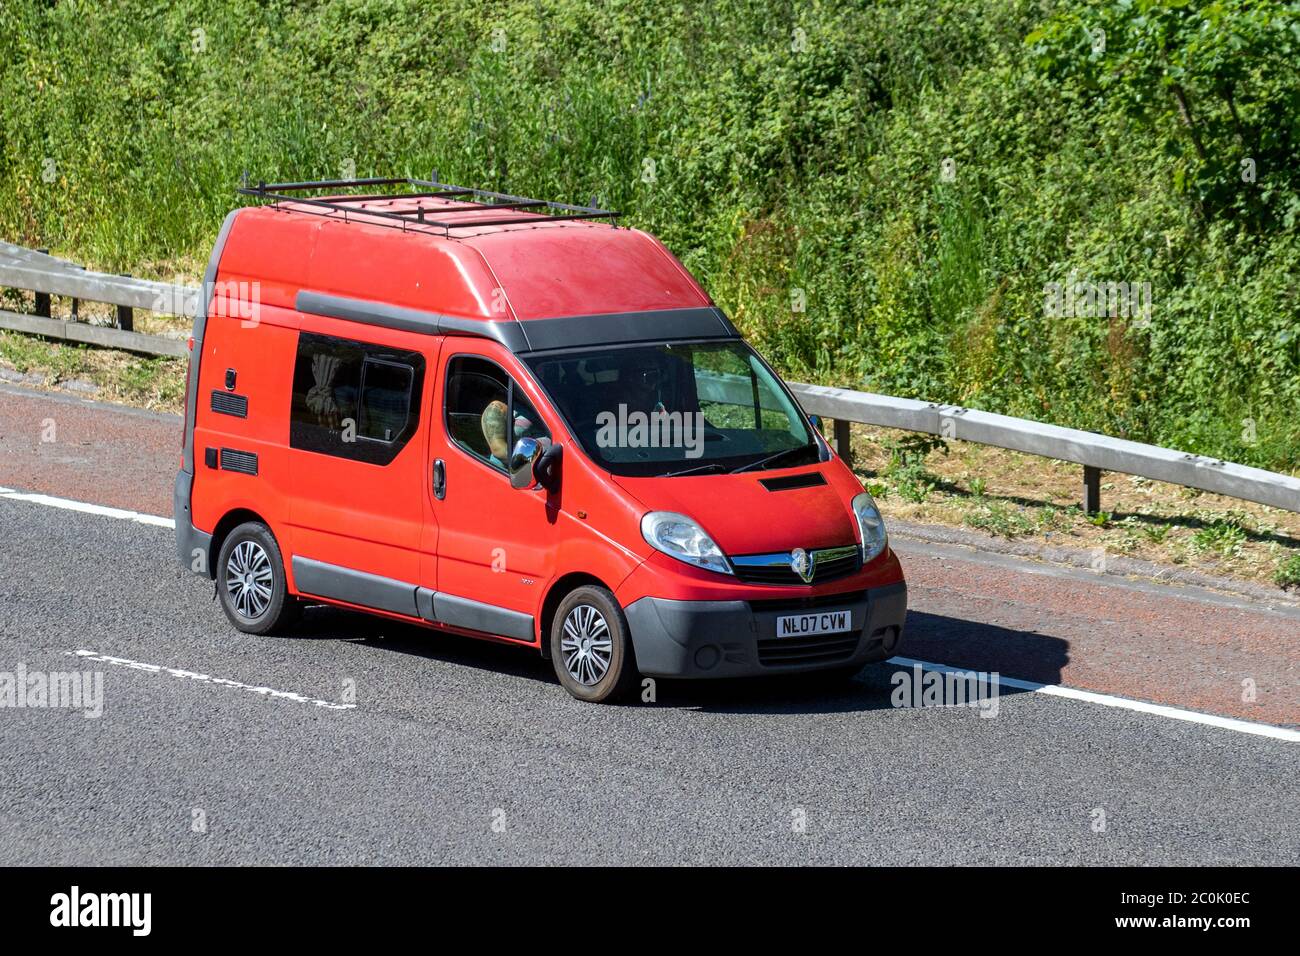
871 525
680 537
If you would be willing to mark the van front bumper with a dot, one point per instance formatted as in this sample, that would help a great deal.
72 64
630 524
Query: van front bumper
739 638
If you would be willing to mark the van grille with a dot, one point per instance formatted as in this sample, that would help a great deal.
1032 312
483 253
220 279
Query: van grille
831 563
820 649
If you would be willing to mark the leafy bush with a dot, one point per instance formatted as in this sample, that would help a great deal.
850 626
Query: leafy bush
917 171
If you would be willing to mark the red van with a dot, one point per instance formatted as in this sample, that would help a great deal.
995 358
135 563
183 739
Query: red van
511 419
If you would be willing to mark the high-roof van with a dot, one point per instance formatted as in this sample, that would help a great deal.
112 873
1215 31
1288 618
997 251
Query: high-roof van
513 419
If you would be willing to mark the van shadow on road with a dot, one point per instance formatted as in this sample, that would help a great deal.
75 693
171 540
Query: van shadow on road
968 645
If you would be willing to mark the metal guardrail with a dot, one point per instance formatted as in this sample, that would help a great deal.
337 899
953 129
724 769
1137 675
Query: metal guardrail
46 275
1096 453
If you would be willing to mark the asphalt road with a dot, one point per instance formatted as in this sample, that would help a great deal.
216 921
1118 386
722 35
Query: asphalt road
466 752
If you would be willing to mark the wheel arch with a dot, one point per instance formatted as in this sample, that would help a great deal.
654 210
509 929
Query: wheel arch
558 590
229 522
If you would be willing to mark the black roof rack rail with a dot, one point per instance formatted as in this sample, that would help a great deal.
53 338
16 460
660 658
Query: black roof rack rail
474 200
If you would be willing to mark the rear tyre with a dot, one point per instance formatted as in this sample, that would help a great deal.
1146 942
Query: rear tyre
251 584
591 646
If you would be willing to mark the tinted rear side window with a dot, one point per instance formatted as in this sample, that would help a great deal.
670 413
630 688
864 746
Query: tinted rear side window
354 399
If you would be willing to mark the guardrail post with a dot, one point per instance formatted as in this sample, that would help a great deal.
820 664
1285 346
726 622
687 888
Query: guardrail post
125 314
74 311
1091 489
43 298
843 443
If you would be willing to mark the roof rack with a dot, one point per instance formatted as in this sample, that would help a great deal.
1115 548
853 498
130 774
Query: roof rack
474 200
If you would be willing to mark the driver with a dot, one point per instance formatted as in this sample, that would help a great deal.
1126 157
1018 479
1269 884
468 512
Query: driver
493 423
641 389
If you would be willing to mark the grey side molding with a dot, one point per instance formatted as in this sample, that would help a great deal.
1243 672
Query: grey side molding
337 583
354 587
474 615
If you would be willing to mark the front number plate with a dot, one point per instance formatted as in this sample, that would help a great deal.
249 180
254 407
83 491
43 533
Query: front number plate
823 622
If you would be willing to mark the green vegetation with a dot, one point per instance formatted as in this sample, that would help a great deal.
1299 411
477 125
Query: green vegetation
1288 572
1009 521
906 469
1224 537
1001 519
916 171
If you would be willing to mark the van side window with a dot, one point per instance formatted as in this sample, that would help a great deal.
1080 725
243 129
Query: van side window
354 399
385 399
481 397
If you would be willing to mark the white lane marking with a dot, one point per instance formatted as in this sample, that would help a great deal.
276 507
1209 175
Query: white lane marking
208 679
1052 690
67 504
1123 703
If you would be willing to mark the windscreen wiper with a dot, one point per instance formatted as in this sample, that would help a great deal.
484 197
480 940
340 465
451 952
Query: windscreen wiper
697 470
771 458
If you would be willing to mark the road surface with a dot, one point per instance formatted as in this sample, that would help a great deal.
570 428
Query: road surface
357 740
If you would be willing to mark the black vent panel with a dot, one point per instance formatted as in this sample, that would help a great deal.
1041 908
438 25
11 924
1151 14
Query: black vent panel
842 600
228 403
790 482
244 462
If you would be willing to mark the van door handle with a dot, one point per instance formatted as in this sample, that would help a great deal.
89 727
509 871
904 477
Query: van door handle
439 479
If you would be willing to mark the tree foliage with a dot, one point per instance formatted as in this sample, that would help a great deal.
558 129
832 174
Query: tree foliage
913 172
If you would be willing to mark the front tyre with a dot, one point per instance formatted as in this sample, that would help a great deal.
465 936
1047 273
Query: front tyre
591 646
251 583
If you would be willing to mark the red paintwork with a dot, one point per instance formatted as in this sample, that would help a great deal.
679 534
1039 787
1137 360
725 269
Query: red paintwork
738 518
385 520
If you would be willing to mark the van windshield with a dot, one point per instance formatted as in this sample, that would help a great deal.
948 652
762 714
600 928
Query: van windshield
678 408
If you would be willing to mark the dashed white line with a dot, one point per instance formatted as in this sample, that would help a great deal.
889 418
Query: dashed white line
1051 690
209 679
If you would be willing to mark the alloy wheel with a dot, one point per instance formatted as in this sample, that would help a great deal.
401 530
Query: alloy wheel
586 645
249 579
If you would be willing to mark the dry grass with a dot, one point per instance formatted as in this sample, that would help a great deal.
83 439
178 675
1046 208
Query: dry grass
104 374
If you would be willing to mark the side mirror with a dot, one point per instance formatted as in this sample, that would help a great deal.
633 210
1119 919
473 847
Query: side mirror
527 463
